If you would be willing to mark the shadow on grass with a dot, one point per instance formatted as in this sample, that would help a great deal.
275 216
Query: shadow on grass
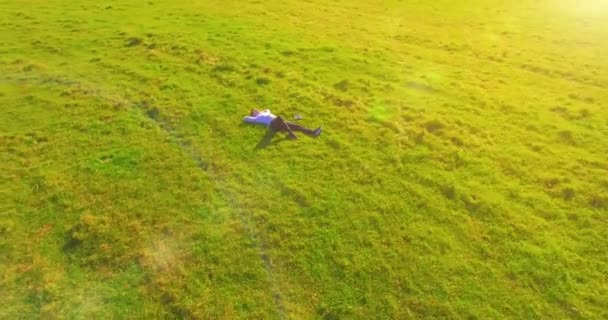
267 140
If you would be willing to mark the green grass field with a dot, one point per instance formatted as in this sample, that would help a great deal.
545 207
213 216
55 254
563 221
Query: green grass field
462 172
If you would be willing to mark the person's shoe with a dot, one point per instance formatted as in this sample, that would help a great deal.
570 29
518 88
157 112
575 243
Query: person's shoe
317 132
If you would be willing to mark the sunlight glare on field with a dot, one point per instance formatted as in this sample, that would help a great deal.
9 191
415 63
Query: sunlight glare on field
585 8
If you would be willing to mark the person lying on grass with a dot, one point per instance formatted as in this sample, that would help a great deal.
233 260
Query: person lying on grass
278 124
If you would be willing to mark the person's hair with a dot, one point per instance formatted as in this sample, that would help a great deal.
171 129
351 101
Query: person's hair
254 111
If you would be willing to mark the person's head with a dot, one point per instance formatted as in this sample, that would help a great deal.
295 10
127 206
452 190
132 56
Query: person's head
254 112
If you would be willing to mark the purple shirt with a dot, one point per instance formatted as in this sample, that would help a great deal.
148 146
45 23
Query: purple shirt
264 117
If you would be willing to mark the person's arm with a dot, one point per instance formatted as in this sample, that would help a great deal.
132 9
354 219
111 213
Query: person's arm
249 119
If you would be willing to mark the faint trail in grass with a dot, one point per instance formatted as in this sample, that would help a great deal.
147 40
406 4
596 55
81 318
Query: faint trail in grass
248 225
264 257
245 220
83 87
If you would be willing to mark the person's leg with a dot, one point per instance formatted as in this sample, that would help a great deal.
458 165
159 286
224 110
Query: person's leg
280 125
299 128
